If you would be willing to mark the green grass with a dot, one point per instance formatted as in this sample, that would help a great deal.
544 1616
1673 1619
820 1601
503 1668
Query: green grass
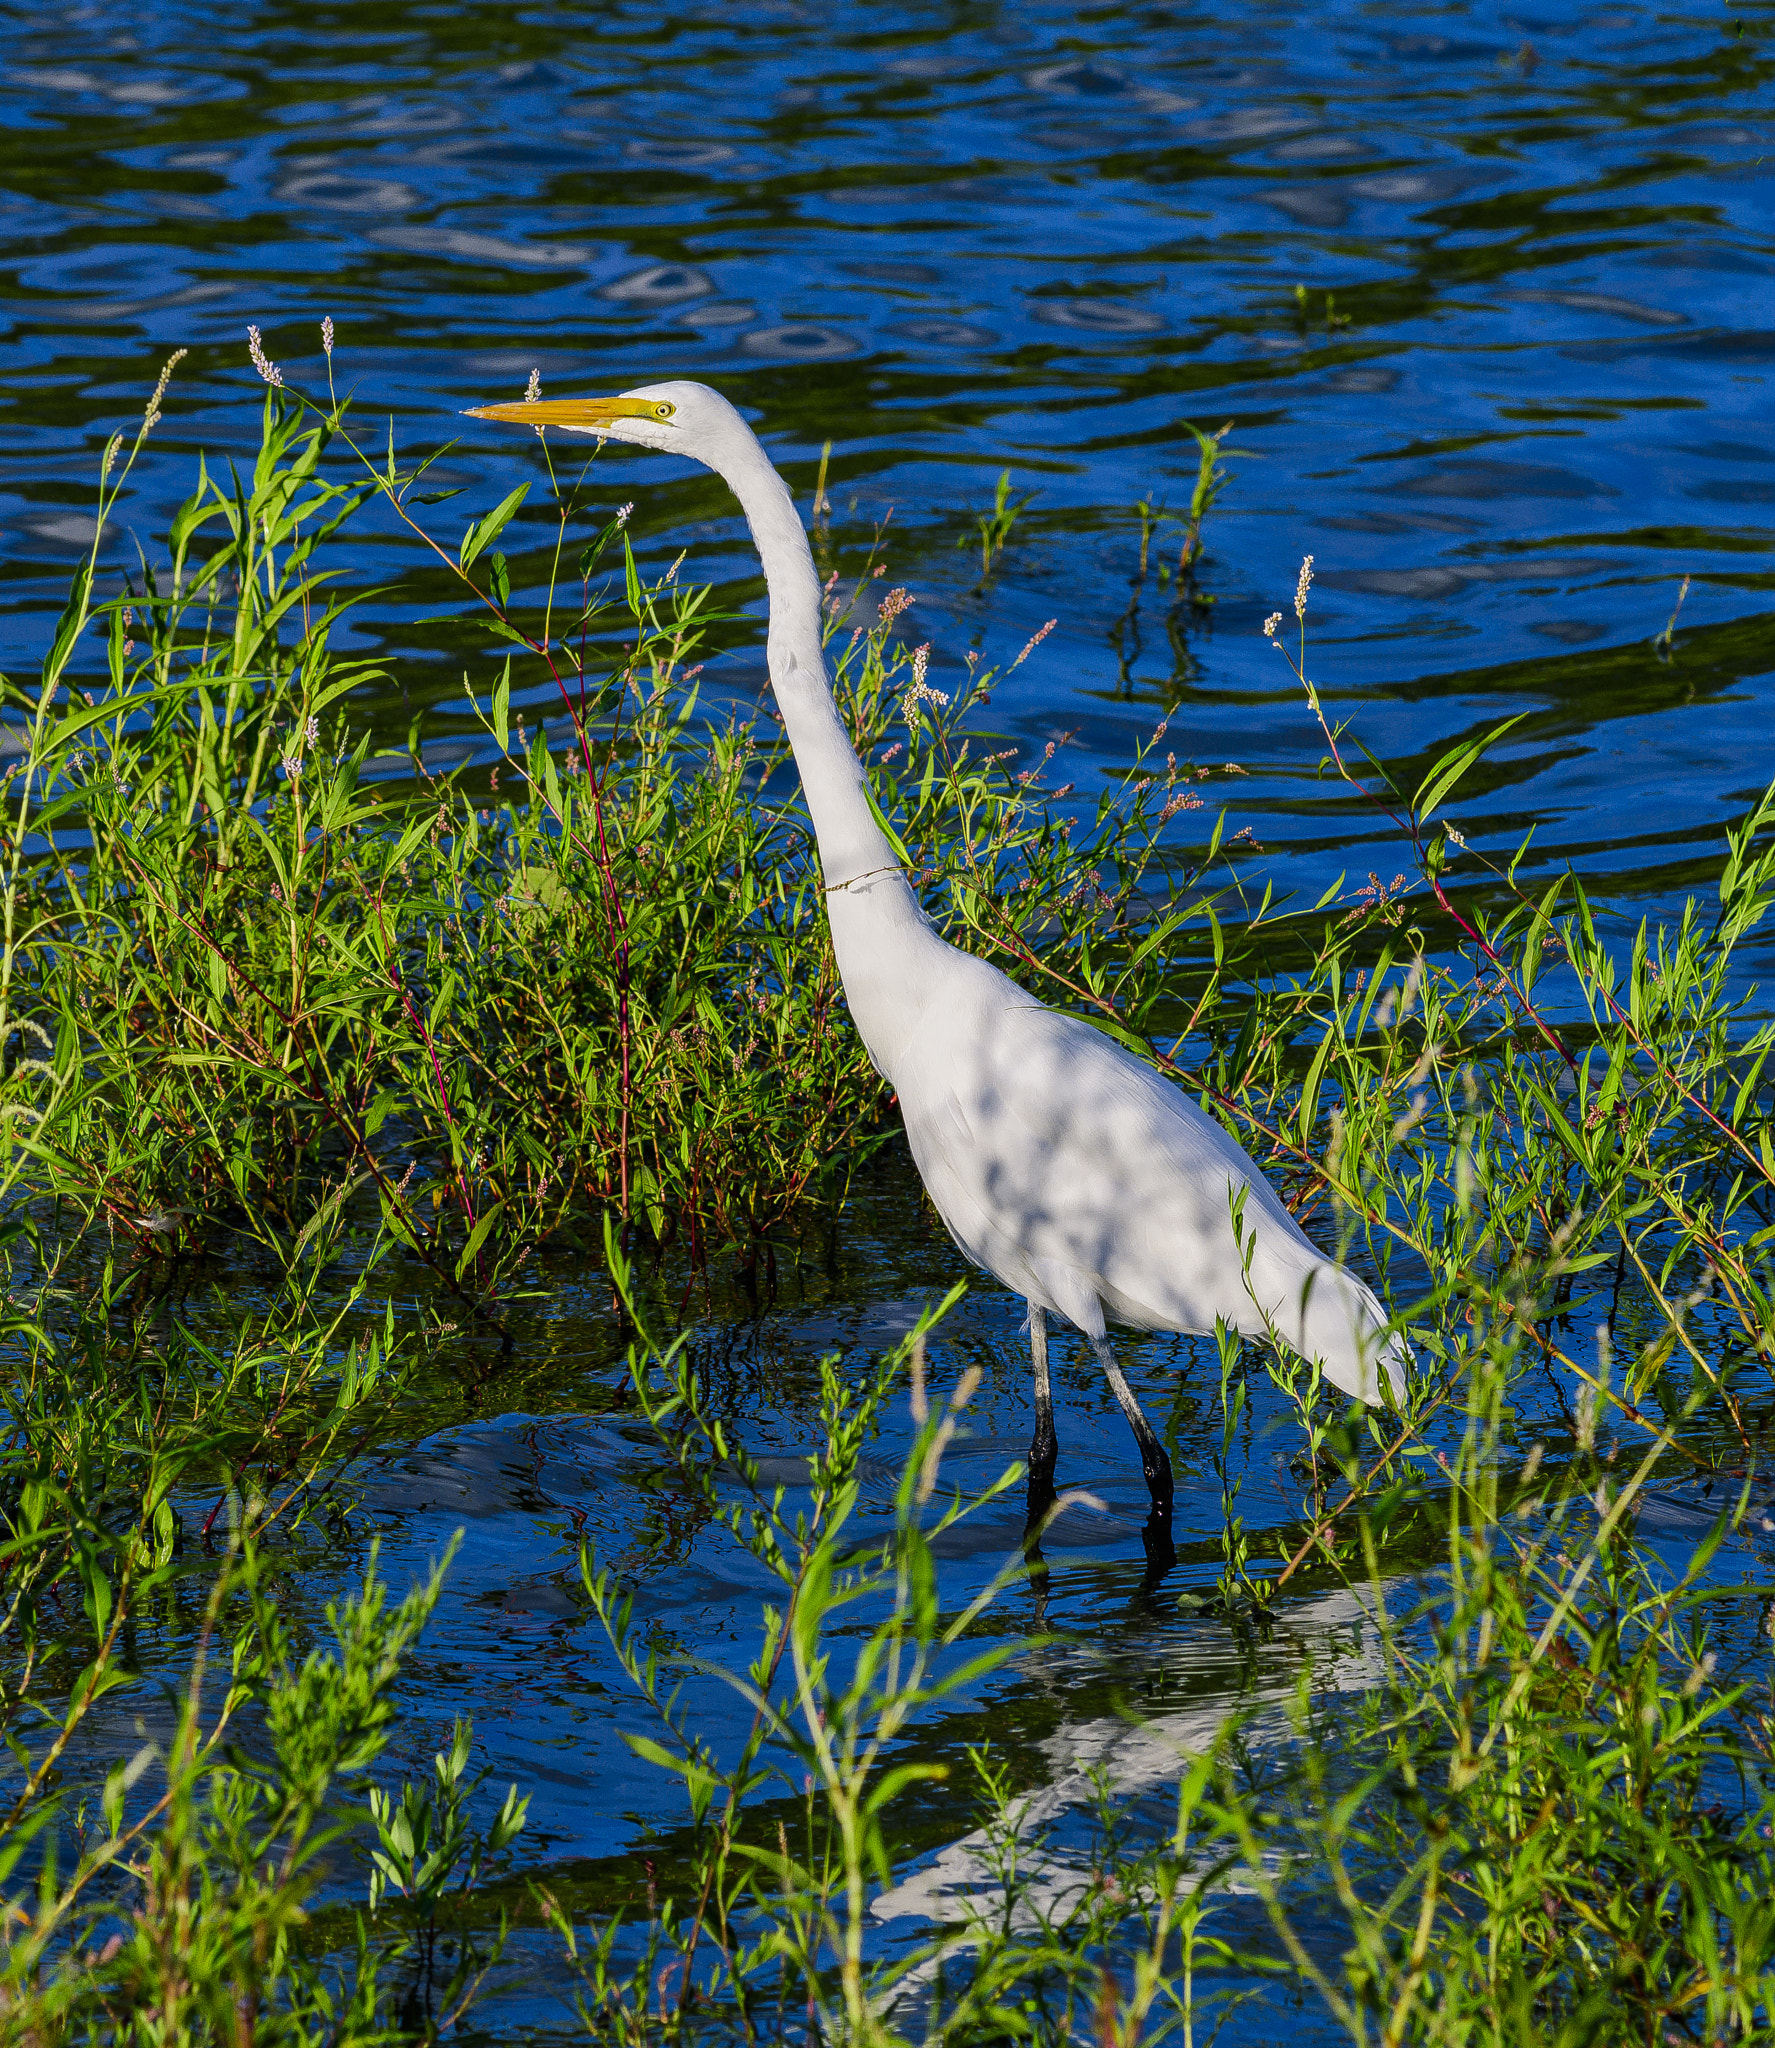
369 1042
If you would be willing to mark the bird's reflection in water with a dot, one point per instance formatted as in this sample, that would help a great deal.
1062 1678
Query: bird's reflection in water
1118 1759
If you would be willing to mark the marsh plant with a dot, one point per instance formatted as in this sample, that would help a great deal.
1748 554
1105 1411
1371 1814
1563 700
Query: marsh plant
297 1021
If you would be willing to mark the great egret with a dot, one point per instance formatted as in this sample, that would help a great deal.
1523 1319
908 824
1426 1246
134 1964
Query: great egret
1061 1163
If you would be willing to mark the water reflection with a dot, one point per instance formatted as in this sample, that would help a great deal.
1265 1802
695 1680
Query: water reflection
1488 299
1108 1759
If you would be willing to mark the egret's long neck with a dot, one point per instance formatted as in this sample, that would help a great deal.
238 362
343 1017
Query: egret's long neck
852 844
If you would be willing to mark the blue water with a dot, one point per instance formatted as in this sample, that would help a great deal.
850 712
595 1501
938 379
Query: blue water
954 240
1488 295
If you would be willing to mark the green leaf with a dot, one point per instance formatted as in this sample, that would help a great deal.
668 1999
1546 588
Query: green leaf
478 1237
23 1832
1309 1094
502 706
535 893
96 714
896 1780
485 531
70 624
98 1598
1454 764
653 1752
888 833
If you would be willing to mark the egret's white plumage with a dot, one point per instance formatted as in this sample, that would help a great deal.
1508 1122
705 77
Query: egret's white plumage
1060 1163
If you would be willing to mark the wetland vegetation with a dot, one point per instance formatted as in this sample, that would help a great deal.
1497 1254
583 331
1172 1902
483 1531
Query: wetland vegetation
322 1065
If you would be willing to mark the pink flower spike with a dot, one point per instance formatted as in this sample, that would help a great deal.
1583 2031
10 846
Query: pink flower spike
1035 640
266 369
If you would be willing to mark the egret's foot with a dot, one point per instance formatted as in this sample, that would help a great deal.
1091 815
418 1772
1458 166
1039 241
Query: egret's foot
1161 1552
1044 1449
1155 1469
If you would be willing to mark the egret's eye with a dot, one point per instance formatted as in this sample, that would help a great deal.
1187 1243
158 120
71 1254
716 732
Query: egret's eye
664 410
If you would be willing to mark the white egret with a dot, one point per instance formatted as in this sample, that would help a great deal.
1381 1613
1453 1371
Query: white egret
1061 1163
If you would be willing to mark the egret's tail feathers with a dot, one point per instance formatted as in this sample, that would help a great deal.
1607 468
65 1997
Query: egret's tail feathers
1341 1325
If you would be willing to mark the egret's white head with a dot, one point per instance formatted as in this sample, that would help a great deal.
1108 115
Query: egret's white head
679 418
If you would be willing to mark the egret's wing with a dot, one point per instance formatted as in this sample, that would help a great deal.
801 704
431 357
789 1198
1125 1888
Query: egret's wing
1047 1146
1142 1182
1046 1136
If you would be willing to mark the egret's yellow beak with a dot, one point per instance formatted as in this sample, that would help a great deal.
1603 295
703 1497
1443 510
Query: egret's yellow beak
582 415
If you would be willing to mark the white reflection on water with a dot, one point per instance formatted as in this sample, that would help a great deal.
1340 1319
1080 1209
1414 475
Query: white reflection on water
963 1883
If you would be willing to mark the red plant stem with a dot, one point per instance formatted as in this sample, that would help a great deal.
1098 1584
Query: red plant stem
392 969
1625 1020
1621 1016
619 924
606 873
315 1094
607 877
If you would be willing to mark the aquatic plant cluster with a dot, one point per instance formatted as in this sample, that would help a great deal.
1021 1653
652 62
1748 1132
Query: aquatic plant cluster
315 1056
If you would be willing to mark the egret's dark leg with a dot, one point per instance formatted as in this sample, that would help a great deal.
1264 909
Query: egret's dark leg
1044 1448
1155 1466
